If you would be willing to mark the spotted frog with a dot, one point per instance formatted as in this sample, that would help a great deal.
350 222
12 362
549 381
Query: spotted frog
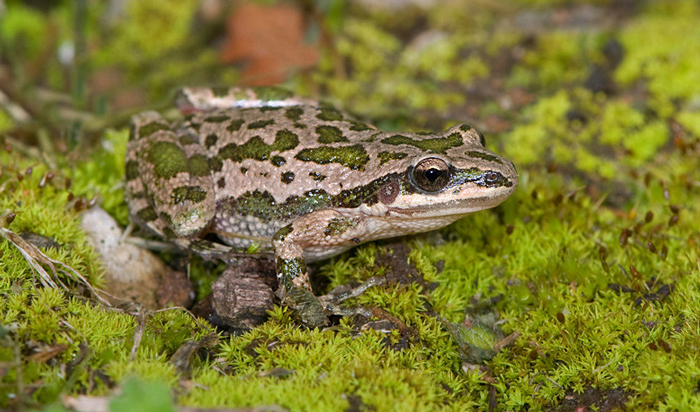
261 169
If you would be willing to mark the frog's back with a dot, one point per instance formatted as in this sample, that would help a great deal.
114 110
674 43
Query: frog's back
271 165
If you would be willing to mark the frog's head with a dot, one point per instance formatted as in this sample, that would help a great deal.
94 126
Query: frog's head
460 178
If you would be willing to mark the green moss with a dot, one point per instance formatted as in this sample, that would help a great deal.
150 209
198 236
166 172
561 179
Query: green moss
150 30
546 262
388 75
529 142
654 49
102 175
23 26
690 121
560 57
5 121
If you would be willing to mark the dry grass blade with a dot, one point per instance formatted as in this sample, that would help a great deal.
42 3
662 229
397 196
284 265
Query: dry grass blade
37 260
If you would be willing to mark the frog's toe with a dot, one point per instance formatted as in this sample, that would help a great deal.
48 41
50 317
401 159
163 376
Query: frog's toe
307 306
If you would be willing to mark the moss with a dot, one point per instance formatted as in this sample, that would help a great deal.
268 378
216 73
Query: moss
385 72
690 121
102 174
5 121
47 317
145 36
654 49
25 26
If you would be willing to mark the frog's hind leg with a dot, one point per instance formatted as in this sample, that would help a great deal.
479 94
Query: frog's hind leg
169 184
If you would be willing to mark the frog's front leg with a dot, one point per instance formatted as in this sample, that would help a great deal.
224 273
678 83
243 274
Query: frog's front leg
324 229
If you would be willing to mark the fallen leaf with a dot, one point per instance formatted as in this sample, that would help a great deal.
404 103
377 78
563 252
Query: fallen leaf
270 40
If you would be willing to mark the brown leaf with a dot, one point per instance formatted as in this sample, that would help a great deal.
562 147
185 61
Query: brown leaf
270 40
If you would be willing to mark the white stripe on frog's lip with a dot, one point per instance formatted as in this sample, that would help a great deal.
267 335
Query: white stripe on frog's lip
455 206
450 209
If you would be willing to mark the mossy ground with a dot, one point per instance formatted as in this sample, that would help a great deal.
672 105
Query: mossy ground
594 262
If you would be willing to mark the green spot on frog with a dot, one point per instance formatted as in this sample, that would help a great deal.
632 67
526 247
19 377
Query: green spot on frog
330 134
195 194
289 269
147 214
282 233
386 157
278 161
263 206
285 140
194 126
235 125
354 157
435 145
216 163
329 114
149 129
199 165
466 127
132 170
211 140
485 156
339 225
167 159
257 149
287 177
187 139
294 113
317 176
359 126
217 119
260 124
169 233
166 218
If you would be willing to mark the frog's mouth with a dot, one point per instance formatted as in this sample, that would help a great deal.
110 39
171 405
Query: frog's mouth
455 203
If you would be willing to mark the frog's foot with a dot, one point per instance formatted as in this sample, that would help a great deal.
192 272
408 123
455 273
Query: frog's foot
314 311
309 309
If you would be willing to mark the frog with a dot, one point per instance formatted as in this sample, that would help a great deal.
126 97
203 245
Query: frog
266 171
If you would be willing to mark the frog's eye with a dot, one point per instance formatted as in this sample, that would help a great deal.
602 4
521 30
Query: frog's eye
431 174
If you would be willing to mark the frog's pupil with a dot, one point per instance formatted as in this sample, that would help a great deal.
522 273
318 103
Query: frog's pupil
433 174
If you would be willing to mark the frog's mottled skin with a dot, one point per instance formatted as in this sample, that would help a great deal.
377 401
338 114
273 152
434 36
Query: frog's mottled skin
300 178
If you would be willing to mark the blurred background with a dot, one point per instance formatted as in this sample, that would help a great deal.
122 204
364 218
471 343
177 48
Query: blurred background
592 264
